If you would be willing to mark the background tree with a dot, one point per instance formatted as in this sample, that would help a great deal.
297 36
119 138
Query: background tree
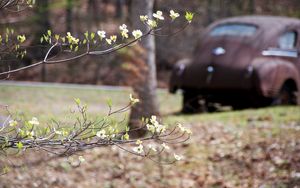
120 8
69 15
42 22
146 88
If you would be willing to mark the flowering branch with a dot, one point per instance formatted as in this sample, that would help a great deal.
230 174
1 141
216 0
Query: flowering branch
91 41
65 140
84 133
16 5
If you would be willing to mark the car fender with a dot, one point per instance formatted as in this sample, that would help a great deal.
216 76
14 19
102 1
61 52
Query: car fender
271 74
177 73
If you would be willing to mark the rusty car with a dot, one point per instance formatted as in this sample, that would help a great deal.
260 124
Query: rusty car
246 61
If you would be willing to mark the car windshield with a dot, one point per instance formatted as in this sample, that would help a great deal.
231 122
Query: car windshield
234 30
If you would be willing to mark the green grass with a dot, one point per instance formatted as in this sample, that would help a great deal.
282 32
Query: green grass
49 102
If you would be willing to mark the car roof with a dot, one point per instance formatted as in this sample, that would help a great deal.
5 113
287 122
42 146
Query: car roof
266 22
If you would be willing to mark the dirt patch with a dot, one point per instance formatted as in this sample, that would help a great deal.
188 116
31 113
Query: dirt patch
259 154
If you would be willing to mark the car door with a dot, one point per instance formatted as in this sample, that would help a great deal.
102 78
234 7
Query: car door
288 44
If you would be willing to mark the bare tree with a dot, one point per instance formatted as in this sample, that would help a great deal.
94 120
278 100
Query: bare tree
43 23
252 6
69 14
120 8
146 89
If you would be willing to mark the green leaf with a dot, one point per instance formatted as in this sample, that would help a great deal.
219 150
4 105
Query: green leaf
19 145
49 33
189 16
86 34
21 38
46 38
125 136
76 49
92 35
109 103
56 37
5 170
77 101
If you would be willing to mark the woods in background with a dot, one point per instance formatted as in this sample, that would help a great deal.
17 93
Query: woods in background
78 16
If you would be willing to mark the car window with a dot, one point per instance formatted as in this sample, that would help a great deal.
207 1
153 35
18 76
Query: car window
288 40
234 30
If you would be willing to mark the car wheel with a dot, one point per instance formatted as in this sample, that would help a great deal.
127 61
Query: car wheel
286 96
238 107
191 102
210 107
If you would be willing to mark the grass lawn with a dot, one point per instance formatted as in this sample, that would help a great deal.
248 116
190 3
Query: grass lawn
249 148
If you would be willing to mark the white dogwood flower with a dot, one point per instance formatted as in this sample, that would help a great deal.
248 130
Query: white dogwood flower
81 159
101 134
101 34
152 23
124 31
158 15
183 129
34 121
174 14
155 127
151 147
13 123
178 157
133 100
143 18
138 142
137 34
165 146
139 149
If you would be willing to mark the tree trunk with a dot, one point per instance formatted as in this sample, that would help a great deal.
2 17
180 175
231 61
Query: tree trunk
92 15
120 8
69 28
43 23
209 7
69 14
252 7
146 89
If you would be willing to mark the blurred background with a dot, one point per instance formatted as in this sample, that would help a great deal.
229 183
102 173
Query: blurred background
78 16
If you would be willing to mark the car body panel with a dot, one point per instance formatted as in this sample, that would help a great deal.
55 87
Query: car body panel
254 63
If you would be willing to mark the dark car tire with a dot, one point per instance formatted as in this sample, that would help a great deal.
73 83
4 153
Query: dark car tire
238 107
190 103
286 96
194 103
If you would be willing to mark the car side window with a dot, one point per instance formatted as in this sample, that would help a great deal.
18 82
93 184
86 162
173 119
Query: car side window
288 40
